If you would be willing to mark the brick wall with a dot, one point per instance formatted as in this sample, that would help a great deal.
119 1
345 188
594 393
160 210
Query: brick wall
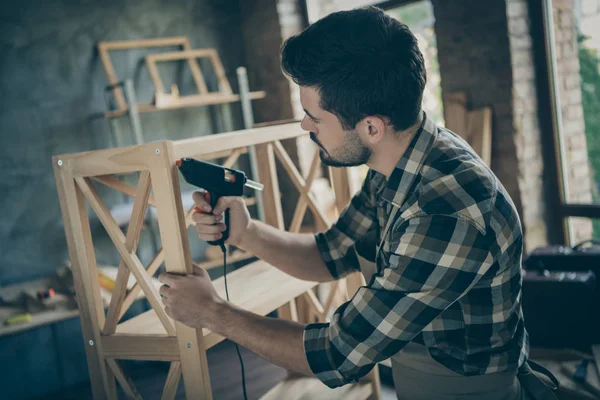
579 189
526 129
484 48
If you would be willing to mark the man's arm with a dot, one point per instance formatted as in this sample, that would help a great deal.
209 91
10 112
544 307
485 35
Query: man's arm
295 254
276 340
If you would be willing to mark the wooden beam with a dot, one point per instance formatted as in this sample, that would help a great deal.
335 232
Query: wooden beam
172 382
174 237
126 384
85 278
141 347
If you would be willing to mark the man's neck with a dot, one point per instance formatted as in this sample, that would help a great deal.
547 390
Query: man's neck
391 149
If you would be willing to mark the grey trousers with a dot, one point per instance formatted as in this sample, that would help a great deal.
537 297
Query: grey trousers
417 376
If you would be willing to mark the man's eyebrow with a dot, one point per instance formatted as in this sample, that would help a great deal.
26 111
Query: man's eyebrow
309 114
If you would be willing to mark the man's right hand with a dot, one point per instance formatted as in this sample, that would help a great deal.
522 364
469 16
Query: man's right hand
210 223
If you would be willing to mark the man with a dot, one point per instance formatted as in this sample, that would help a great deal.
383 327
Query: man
432 228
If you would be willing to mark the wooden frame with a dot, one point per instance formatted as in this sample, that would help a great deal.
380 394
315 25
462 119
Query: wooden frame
105 47
165 101
153 335
173 100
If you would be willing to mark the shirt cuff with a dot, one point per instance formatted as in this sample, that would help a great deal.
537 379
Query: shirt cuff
317 348
323 248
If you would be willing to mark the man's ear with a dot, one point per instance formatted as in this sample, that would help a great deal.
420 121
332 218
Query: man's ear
372 129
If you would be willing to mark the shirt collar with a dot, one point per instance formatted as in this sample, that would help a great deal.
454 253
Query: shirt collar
410 163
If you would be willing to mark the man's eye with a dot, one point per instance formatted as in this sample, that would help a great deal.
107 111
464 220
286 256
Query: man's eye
313 120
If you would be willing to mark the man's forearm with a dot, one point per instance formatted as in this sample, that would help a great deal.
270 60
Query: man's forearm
276 340
293 253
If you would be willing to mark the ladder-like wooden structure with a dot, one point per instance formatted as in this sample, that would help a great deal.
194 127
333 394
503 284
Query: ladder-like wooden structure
257 286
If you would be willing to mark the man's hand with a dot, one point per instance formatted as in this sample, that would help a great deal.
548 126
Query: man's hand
190 299
210 223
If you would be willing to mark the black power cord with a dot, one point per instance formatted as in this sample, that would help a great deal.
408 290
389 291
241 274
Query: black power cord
237 349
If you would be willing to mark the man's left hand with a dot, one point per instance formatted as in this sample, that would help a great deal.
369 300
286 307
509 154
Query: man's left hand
190 299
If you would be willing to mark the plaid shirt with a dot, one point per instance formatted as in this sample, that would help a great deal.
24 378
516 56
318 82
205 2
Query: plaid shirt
448 273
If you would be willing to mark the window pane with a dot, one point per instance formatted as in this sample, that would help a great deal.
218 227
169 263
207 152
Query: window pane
577 43
583 229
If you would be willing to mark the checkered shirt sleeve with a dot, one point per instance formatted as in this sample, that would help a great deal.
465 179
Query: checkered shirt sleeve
432 262
355 221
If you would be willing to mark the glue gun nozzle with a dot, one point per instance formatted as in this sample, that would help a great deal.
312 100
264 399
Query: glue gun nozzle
178 163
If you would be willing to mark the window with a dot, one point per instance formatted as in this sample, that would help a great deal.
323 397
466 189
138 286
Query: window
573 48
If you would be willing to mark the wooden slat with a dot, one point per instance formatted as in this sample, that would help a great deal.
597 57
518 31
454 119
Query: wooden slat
131 242
120 186
111 161
267 170
126 383
455 112
134 291
479 133
174 236
137 347
225 141
298 181
143 43
195 68
258 287
130 258
302 203
81 252
313 389
188 101
314 304
232 159
172 382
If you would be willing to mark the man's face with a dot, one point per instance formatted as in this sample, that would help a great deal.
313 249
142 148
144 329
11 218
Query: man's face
337 147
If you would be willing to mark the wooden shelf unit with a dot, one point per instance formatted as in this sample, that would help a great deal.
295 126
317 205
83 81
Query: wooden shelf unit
257 286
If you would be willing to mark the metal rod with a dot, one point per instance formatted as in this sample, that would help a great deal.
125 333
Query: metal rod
249 123
134 115
254 185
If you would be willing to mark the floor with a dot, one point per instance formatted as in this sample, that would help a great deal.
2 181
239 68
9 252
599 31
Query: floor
225 377
226 384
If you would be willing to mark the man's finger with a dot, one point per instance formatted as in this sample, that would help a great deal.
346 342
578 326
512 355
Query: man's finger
201 199
199 271
164 291
168 279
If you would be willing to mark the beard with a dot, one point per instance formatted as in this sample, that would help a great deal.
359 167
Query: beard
351 153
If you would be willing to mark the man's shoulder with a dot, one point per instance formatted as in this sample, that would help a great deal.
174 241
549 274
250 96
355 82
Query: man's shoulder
454 181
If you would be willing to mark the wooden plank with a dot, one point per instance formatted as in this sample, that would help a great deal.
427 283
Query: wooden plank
479 133
138 347
174 237
243 138
197 100
172 382
455 112
340 182
187 101
130 258
195 68
110 161
131 242
126 384
298 181
258 287
81 253
301 388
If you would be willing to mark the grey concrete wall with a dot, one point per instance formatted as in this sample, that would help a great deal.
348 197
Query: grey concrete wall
52 90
